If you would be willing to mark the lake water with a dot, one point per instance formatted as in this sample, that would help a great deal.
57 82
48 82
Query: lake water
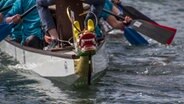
151 74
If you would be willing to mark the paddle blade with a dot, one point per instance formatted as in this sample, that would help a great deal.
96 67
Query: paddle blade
133 37
5 30
162 34
169 41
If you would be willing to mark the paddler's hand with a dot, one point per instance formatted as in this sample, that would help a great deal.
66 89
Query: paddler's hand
127 20
1 17
15 19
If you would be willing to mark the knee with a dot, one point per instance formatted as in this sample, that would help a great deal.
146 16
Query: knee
45 3
40 4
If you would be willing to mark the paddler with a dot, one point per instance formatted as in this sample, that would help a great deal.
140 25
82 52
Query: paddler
48 22
29 31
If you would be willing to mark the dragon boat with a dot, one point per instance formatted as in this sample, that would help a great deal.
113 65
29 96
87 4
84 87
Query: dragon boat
67 65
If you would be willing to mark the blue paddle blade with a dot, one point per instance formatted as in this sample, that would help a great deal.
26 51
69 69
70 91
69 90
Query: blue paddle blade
134 37
5 30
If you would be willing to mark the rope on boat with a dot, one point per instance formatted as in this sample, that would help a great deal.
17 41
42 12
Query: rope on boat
64 41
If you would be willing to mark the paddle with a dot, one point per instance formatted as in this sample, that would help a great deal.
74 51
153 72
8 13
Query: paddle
154 31
160 33
161 37
135 14
131 35
5 29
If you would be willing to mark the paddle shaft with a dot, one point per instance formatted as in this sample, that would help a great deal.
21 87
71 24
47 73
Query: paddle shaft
135 14
28 11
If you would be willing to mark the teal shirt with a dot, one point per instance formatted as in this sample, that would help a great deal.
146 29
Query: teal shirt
31 24
108 6
5 3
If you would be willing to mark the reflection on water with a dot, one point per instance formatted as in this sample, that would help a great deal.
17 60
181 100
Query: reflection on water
151 74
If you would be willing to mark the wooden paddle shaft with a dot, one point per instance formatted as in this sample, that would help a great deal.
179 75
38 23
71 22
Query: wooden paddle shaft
28 11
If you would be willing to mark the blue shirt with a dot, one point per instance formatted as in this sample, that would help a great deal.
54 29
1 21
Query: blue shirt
31 24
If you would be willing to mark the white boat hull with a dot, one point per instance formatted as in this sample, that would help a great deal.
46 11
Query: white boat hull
54 67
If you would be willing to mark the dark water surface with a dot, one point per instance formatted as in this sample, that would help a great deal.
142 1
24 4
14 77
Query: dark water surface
152 74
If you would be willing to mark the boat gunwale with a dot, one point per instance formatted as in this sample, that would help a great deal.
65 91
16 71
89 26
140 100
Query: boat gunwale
59 53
